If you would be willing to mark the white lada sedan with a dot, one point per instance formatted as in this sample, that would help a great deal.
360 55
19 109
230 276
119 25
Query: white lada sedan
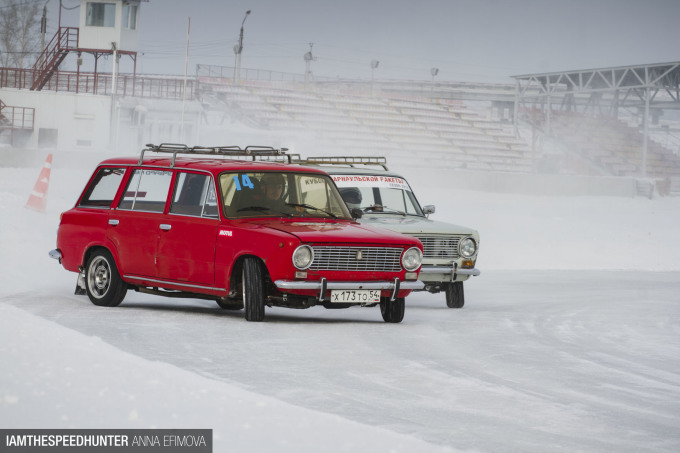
386 199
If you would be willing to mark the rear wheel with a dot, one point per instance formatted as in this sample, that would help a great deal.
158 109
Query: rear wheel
455 296
392 310
253 290
103 284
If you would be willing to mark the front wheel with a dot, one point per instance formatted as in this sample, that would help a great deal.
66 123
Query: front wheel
455 296
253 290
103 284
392 310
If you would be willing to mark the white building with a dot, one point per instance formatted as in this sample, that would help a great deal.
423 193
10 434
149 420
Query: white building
90 109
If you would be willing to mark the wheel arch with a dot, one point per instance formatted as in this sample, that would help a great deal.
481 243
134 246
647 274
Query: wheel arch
234 277
92 248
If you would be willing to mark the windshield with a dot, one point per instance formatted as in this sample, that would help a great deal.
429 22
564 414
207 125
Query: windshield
378 194
275 194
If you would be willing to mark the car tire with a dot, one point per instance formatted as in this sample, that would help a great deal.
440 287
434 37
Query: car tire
455 295
392 310
103 284
253 290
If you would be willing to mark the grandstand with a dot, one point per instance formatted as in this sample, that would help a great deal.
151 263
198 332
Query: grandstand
464 126
396 125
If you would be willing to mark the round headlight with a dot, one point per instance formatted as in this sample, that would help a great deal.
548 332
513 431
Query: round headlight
467 247
303 257
411 259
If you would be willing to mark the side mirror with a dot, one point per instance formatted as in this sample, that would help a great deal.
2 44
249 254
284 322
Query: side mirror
356 213
429 209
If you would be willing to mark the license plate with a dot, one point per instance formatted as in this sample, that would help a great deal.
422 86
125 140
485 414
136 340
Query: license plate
363 296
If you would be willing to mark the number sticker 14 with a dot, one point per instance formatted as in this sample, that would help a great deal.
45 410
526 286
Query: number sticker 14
245 181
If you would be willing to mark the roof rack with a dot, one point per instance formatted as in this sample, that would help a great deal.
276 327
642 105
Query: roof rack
254 152
289 158
347 160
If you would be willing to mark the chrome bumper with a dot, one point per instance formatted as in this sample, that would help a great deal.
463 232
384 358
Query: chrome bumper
323 285
453 270
55 254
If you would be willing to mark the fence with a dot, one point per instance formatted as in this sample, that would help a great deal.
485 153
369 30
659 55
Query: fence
87 82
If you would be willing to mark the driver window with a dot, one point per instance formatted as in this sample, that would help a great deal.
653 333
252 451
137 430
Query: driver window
397 199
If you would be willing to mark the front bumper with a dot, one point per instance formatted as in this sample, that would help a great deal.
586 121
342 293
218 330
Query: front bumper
323 285
451 270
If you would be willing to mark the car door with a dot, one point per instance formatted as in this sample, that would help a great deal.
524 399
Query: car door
135 224
186 244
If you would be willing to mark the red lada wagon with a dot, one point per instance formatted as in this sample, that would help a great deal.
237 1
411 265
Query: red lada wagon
245 232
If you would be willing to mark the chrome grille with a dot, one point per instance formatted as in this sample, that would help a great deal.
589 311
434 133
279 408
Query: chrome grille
440 246
345 259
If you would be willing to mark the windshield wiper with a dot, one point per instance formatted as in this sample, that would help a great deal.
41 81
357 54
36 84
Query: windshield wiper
309 206
381 208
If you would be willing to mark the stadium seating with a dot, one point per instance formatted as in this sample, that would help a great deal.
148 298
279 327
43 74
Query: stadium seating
357 123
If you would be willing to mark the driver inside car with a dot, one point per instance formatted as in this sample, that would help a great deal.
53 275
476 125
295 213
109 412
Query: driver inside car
351 196
272 186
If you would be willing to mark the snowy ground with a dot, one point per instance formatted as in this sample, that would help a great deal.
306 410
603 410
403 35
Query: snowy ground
569 340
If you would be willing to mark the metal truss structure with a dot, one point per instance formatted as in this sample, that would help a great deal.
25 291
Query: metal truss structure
648 88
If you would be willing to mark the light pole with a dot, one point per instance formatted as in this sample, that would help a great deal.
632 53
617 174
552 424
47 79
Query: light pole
43 28
434 72
308 57
238 48
374 65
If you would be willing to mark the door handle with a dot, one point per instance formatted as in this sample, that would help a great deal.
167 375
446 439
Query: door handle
114 222
165 227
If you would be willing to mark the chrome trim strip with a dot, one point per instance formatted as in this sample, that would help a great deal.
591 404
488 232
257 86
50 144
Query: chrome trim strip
316 285
133 277
55 254
448 270
140 210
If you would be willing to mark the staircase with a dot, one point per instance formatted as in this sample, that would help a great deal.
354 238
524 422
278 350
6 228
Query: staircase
63 42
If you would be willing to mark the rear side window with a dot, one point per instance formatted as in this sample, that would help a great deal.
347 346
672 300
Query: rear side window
147 190
102 190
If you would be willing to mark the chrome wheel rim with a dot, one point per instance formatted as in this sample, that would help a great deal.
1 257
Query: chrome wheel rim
99 277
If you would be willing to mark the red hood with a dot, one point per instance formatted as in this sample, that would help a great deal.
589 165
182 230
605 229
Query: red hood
311 231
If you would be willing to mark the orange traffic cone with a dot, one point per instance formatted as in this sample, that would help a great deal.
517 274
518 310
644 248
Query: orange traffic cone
38 199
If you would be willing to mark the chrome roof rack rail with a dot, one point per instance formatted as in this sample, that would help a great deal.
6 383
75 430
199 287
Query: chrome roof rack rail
347 160
289 158
254 152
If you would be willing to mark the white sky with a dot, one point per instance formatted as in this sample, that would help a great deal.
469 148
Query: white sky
468 40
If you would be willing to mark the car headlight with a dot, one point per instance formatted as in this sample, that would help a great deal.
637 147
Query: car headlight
412 258
467 247
303 257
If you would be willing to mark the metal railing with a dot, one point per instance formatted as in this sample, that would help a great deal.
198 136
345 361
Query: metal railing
16 117
220 74
16 78
91 83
